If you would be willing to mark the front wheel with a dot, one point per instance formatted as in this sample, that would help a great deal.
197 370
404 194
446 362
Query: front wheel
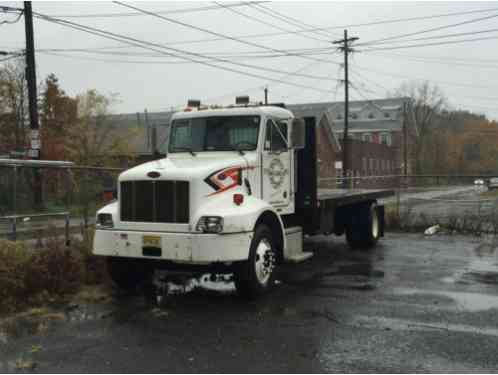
256 276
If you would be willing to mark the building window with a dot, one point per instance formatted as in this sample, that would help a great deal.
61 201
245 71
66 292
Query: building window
371 164
354 116
367 137
371 115
339 116
364 163
387 115
385 139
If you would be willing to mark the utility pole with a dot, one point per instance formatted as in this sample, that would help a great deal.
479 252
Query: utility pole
405 143
266 95
345 143
34 151
147 129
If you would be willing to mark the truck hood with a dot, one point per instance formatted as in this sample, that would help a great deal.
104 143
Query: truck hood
187 167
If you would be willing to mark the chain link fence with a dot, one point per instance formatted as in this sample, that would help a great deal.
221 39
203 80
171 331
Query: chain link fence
71 195
461 203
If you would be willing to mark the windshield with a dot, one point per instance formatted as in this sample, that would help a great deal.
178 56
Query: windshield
220 133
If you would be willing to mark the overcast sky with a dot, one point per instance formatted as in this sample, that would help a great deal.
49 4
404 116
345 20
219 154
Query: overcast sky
467 72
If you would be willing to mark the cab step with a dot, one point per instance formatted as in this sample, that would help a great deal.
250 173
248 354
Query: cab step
294 251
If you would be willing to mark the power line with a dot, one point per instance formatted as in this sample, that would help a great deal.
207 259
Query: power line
245 15
291 21
147 45
7 22
226 37
119 37
161 61
10 57
367 43
134 14
430 44
435 61
439 58
403 76
487 98
264 35
357 90
374 83
232 55
310 30
440 36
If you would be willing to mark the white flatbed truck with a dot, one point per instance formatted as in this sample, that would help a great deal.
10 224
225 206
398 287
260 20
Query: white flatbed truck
236 193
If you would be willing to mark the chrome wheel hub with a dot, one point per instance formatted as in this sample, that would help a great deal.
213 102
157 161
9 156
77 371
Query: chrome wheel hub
375 224
265 261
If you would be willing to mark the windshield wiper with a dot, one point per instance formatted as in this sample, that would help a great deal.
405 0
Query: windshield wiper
229 148
185 148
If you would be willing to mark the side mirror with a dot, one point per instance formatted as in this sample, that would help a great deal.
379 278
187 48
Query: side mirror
298 133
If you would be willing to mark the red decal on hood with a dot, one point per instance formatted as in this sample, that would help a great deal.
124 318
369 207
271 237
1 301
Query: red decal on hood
225 179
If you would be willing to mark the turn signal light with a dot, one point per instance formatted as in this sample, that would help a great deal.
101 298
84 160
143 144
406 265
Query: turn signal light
238 199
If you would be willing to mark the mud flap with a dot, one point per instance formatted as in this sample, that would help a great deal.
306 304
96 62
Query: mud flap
382 221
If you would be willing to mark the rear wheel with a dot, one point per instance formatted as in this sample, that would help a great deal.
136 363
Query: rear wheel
363 230
128 274
256 276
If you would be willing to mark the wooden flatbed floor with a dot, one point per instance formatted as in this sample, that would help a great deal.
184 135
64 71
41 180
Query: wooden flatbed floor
343 197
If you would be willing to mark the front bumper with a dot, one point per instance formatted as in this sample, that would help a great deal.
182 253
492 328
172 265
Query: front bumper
191 248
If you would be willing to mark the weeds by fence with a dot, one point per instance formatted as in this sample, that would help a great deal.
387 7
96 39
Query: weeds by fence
30 278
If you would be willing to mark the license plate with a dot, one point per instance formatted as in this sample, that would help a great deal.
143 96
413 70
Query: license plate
152 241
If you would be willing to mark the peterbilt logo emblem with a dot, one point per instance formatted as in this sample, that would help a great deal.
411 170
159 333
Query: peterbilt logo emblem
276 172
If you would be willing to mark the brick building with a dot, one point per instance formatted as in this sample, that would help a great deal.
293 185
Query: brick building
375 130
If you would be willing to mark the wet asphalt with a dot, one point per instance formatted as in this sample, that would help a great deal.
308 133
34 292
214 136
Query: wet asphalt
414 304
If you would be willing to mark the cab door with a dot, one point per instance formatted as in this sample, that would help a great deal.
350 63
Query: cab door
277 172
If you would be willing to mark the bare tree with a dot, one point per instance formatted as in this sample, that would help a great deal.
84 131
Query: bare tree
427 102
13 105
95 140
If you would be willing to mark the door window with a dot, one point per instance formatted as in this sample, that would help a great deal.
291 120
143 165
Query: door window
276 136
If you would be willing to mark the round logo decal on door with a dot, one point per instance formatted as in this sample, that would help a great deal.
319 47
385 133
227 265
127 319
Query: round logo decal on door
276 171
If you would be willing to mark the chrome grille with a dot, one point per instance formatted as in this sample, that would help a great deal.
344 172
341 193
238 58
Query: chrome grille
155 201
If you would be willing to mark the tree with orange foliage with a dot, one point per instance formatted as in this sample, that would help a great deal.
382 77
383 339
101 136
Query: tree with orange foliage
58 114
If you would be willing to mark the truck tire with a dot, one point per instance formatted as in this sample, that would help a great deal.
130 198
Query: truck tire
256 276
128 274
363 230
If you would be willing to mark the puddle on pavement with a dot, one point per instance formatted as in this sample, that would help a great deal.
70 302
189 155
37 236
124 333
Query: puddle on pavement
471 302
413 325
482 268
358 276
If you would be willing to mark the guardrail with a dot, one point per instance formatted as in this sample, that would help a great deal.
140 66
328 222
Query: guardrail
13 219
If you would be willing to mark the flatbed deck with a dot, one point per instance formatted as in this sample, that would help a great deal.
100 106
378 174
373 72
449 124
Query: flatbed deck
343 197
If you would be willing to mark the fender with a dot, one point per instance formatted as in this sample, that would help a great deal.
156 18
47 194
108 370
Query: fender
236 218
110 208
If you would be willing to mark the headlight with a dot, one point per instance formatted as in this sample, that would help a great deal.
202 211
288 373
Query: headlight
104 221
210 224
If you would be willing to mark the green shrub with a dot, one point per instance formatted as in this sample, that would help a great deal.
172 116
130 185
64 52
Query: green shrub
14 258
